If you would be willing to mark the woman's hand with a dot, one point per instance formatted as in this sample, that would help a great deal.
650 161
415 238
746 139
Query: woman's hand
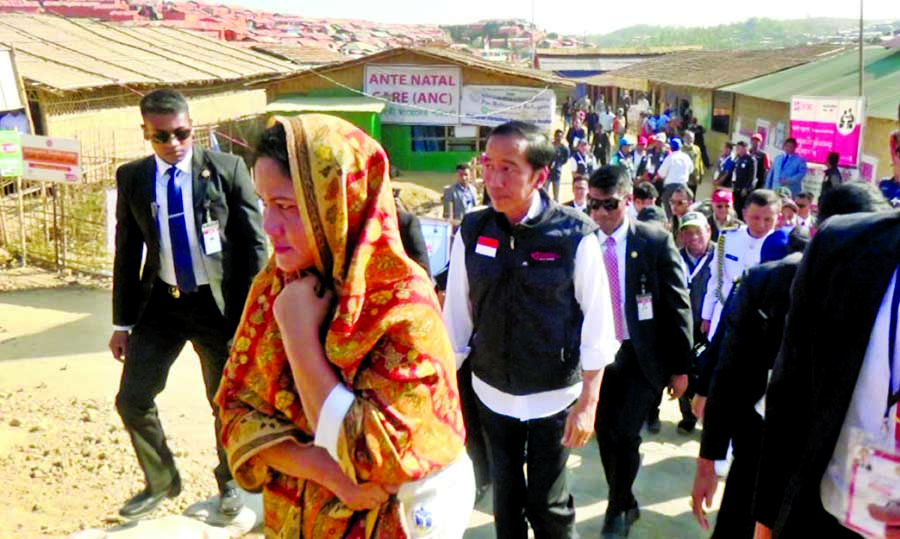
361 497
302 306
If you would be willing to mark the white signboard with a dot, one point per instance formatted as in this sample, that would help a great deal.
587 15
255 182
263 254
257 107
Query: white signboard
51 159
423 95
494 105
9 90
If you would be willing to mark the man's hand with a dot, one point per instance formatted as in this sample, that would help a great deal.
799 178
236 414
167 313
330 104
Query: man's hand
698 406
678 384
704 327
762 532
705 485
118 345
889 514
579 425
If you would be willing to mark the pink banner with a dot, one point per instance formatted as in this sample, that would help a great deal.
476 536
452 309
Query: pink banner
816 139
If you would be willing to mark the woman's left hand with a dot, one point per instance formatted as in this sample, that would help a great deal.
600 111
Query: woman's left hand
300 308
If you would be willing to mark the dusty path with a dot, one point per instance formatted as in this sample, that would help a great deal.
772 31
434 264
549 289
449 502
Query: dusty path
66 463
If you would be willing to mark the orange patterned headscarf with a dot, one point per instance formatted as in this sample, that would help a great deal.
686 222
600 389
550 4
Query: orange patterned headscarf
341 181
386 339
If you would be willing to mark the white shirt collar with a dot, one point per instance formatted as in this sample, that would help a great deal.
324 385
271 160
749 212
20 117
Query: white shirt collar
620 234
183 166
535 209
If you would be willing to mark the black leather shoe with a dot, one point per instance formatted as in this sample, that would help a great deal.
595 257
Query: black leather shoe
481 492
653 425
686 427
614 526
230 503
144 502
632 516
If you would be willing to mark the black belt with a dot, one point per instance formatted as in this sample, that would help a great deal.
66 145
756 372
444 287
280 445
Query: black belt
175 293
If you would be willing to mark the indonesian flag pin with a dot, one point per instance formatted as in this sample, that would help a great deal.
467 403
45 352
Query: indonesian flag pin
487 246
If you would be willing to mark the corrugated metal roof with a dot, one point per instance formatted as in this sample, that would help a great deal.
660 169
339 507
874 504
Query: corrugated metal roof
713 69
614 51
451 56
836 76
578 63
302 55
63 54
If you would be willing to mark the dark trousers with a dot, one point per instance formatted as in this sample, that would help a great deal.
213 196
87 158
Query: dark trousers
154 344
476 446
543 499
735 519
626 397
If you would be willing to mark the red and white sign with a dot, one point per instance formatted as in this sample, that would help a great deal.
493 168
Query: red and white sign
487 246
424 95
51 159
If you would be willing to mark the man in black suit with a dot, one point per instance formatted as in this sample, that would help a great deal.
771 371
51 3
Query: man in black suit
840 298
753 324
652 311
196 214
579 192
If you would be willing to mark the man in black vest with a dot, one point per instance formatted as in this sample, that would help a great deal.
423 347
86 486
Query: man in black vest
528 303
652 316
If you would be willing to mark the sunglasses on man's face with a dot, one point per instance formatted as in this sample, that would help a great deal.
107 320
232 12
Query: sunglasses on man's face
608 204
163 137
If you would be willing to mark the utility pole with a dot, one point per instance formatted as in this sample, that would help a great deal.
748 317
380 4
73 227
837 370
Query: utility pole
860 48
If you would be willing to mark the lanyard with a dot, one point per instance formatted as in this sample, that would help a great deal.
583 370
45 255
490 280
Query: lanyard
893 398
699 266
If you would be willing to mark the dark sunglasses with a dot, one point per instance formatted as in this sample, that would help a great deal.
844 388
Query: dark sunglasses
608 204
163 137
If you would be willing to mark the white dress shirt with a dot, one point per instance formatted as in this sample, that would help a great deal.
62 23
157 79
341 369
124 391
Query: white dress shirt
598 339
866 411
676 168
742 251
621 236
184 179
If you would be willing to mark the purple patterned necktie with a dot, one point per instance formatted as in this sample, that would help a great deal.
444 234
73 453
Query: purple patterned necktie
615 292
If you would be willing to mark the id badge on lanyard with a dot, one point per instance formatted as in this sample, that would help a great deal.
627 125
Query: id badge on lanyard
873 489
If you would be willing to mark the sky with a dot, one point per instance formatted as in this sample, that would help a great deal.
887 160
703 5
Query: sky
593 17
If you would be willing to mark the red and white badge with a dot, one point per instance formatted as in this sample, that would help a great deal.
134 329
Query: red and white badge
487 246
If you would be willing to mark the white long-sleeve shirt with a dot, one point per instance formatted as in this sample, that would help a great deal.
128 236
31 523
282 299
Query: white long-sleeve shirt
598 338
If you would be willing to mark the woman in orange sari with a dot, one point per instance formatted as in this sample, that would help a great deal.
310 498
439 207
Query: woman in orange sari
339 400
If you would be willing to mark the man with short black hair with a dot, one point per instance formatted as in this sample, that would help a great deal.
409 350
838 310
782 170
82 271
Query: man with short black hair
804 203
645 195
195 214
561 155
788 170
652 315
724 166
736 251
744 175
528 305
460 197
580 192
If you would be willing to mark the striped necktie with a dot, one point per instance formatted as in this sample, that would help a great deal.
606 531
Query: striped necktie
178 233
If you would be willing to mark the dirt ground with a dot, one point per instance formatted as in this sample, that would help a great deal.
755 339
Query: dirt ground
67 464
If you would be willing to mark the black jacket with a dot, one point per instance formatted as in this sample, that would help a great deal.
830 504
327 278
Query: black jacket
754 325
653 265
412 238
227 193
835 299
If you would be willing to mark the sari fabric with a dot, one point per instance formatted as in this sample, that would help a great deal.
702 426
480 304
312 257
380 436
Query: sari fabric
386 341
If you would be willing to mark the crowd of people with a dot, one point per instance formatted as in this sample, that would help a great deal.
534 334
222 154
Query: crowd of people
362 406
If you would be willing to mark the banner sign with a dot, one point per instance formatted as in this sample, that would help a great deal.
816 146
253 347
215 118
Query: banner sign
51 159
423 95
494 105
10 153
828 124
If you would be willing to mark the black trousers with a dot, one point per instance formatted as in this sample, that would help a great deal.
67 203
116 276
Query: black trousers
735 519
626 397
476 446
154 344
544 499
